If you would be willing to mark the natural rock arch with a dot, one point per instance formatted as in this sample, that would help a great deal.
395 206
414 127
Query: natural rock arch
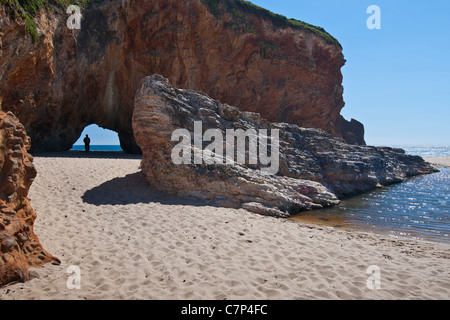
257 61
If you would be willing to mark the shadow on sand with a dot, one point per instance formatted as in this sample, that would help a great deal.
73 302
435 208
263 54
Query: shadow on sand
132 189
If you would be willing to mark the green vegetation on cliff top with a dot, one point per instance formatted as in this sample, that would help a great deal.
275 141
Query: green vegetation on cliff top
234 7
27 9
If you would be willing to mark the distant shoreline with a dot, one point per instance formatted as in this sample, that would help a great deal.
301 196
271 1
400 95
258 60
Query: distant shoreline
439 161
97 147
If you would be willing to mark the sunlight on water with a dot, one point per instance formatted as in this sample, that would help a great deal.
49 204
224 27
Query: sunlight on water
427 151
418 208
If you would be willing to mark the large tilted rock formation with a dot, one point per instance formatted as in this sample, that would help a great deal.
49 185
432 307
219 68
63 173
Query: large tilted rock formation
239 54
20 247
314 168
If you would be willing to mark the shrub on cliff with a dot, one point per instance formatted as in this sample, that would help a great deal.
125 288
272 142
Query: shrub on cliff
236 7
27 10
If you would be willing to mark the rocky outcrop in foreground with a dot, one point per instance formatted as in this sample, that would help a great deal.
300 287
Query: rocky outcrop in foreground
315 169
20 247
242 55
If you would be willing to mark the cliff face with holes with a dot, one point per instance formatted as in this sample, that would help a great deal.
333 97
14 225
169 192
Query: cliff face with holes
19 246
70 79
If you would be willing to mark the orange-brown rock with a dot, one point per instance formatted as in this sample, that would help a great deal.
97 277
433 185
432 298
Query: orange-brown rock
19 246
70 79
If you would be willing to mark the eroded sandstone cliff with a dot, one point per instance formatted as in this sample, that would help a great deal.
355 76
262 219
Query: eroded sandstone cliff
20 247
66 80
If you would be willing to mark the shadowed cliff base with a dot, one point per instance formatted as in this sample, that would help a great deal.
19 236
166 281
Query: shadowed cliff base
117 192
89 155
239 54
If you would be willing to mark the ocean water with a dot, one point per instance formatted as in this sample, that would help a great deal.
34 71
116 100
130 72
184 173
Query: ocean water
427 151
98 148
418 208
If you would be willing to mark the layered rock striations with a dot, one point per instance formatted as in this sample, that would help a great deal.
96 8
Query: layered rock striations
315 169
20 247
235 52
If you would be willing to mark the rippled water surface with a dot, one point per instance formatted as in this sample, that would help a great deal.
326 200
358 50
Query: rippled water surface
427 151
418 208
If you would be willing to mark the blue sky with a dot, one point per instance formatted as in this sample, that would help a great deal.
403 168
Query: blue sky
396 79
99 136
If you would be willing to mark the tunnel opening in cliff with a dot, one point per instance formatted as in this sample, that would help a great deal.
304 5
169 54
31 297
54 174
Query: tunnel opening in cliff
101 139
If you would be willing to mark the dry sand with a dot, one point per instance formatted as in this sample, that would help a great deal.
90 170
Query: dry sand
131 242
439 161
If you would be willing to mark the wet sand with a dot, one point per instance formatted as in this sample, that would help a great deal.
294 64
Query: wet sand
130 242
439 161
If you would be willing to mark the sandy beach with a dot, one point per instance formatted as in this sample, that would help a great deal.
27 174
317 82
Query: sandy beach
131 242
439 161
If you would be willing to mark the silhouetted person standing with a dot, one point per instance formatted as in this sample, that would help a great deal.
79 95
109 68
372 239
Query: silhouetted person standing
86 141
